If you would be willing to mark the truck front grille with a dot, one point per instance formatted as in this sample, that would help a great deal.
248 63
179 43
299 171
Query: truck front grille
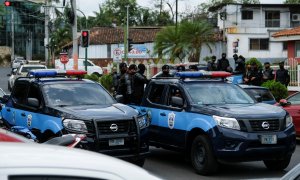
265 125
116 127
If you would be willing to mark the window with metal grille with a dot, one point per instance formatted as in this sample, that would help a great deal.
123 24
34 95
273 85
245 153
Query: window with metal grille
272 18
259 44
247 15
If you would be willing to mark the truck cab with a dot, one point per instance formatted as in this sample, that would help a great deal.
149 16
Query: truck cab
211 120
51 103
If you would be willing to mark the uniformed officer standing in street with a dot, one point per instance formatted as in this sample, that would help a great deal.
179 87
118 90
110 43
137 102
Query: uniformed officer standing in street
282 75
254 76
126 84
268 73
165 71
211 65
223 63
139 81
117 77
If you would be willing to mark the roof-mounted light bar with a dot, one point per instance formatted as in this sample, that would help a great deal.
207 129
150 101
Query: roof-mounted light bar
55 72
199 74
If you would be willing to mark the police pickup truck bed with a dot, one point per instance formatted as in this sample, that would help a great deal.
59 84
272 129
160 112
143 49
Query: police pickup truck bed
50 104
213 121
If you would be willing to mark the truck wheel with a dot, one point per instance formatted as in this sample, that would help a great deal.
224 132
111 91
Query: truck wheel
202 157
139 162
278 164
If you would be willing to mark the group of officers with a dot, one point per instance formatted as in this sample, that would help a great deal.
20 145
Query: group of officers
131 81
252 74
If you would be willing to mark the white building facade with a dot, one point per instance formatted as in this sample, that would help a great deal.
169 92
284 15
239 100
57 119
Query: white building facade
248 29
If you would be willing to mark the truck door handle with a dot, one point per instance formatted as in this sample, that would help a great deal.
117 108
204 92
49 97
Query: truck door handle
163 114
23 114
8 110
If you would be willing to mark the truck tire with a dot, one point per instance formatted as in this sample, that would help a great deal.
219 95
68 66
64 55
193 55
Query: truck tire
202 157
278 164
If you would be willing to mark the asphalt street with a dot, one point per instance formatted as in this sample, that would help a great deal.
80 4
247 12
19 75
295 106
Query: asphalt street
172 165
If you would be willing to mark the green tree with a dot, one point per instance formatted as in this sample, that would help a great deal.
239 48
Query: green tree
186 40
194 35
291 2
210 8
169 42
115 12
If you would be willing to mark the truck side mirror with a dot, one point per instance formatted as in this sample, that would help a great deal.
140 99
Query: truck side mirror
258 98
33 102
177 101
284 102
119 98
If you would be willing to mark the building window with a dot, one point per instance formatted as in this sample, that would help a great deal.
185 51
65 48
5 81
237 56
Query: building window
246 15
297 48
272 18
284 45
259 44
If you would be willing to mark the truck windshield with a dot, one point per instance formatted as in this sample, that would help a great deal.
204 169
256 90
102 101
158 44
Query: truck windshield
217 94
76 94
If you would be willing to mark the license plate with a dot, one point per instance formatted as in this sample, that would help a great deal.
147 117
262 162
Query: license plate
268 139
116 142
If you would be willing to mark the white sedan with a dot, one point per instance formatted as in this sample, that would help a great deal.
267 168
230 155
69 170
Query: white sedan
24 161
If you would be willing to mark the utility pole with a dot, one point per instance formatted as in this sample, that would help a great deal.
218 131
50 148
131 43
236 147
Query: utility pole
176 14
46 40
74 30
12 35
127 35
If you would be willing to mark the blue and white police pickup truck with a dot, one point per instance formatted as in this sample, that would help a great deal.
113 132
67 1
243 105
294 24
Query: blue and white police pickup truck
212 120
50 104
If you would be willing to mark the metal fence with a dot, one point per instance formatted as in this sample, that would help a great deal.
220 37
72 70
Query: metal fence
294 70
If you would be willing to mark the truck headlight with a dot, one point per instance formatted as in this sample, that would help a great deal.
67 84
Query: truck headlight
75 125
288 120
226 122
143 122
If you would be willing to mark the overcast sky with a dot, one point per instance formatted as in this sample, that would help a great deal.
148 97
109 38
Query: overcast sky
89 6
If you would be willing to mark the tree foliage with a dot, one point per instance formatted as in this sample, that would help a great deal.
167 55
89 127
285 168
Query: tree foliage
115 12
185 41
202 11
291 2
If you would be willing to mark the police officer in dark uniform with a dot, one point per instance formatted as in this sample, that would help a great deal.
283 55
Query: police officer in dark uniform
165 71
240 64
139 81
193 68
126 84
268 73
223 63
117 77
180 68
211 65
282 75
254 76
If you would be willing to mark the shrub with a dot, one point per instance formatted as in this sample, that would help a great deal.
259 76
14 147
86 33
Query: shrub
107 81
92 77
277 89
256 61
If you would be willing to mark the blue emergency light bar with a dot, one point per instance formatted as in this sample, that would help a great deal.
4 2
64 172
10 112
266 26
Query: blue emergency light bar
199 74
43 73
55 72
